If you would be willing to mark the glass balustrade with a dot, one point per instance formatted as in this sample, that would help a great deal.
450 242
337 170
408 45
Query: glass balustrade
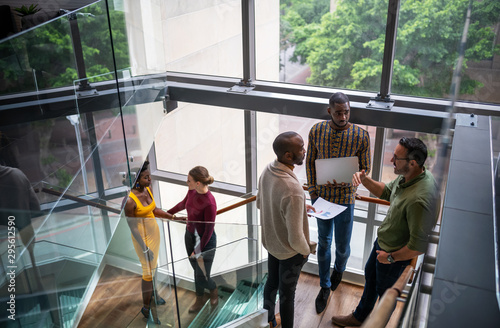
56 274
48 266
234 269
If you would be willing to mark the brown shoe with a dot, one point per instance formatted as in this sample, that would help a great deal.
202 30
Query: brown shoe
346 320
198 304
214 297
277 317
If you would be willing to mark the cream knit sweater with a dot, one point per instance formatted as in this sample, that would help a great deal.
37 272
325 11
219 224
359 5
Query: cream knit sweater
283 216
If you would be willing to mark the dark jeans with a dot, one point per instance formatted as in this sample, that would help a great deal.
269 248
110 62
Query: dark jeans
378 278
200 280
283 276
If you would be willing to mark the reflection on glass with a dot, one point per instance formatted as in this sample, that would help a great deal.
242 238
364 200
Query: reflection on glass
44 57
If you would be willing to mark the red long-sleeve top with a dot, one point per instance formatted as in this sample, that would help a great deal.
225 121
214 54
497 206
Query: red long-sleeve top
202 208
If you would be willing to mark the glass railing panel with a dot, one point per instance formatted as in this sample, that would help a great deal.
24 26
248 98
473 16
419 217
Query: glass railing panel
141 126
44 56
50 271
109 51
232 273
125 132
118 297
34 60
106 160
59 157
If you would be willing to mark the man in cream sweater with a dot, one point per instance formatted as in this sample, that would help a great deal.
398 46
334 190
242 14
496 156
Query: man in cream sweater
285 228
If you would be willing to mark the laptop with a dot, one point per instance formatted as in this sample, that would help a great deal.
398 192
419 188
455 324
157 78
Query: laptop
339 169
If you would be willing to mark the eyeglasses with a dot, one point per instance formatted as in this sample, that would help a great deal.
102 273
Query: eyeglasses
395 158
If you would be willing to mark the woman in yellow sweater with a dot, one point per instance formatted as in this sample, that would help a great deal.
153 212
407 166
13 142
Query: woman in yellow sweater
141 212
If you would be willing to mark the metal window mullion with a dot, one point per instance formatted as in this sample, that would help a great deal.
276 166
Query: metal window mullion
250 122
389 49
248 38
163 257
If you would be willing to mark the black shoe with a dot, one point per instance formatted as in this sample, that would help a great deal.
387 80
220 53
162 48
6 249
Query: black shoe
335 279
322 299
145 312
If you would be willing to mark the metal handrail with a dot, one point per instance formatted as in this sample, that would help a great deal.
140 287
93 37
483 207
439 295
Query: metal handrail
78 200
222 210
251 199
380 316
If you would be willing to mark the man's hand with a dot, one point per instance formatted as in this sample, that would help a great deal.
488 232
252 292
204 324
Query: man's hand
382 257
310 209
358 178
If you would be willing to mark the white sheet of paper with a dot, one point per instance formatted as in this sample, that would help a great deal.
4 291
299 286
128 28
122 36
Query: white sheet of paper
326 210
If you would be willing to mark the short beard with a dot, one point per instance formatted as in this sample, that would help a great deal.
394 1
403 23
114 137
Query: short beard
340 126
294 160
402 171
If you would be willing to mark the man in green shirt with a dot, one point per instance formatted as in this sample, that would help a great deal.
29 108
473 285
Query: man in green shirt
403 234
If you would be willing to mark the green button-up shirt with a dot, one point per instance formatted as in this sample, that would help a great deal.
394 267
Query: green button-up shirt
412 215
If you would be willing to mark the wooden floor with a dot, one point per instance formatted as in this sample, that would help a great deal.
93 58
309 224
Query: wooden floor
116 302
342 302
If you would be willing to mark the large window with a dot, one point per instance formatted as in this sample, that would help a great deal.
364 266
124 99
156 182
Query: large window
340 44
331 43
427 49
203 135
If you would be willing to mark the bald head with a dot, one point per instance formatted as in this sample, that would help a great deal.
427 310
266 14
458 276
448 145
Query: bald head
284 143
289 148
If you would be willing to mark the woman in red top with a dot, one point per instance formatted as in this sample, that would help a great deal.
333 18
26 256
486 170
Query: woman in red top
200 237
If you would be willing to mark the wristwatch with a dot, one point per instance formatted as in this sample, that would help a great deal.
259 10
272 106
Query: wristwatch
390 259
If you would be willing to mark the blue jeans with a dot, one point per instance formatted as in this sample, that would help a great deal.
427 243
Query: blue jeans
343 230
378 278
282 276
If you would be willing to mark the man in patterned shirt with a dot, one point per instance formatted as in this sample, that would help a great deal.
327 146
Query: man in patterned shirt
331 139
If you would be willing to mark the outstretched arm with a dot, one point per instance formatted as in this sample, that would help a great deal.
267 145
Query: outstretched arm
159 213
375 187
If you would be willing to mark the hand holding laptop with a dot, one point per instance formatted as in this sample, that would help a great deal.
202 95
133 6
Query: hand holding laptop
335 184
